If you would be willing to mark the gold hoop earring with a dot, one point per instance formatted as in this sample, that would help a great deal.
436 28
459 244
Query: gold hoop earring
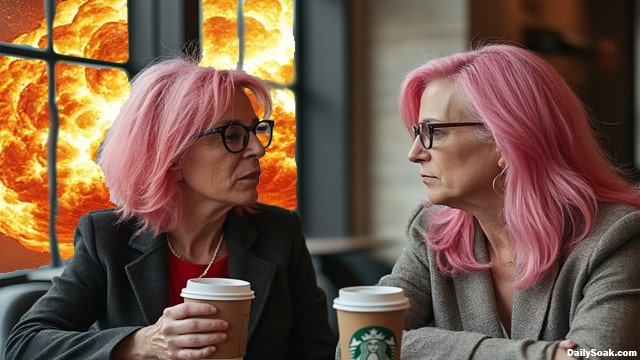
493 183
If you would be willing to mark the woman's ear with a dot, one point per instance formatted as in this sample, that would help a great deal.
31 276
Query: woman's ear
176 173
497 152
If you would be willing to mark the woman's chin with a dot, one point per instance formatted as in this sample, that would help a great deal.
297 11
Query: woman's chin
439 200
248 198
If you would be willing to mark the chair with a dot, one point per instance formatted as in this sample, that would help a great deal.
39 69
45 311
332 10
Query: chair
15 300
336 271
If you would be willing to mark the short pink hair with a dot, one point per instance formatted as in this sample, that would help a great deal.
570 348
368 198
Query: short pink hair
556 171
170 102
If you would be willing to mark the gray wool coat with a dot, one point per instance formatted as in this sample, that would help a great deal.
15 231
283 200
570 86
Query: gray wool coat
118 280
593 297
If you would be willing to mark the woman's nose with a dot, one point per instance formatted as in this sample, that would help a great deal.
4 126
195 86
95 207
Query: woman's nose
255 147
417 152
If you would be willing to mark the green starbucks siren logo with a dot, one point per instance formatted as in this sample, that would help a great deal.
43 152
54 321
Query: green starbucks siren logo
373 343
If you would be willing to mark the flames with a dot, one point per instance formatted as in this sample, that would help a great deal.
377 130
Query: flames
269 50
89 98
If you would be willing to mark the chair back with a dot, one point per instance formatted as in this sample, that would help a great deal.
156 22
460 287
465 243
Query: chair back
15 300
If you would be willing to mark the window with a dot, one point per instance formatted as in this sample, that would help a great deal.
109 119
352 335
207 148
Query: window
88 52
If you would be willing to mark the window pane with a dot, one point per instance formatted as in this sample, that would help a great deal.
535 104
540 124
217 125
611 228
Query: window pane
95 29
24 127
268 54
269 39
278 179
21 22
88 101
219 33
268 32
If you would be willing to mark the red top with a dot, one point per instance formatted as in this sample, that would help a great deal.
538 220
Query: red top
180 271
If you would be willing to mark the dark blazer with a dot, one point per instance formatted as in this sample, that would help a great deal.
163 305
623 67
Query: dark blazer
118 280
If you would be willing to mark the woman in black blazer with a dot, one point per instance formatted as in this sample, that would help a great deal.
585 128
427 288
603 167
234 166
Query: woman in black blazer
182 163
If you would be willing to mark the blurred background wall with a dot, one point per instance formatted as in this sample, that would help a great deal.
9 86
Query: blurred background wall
592 43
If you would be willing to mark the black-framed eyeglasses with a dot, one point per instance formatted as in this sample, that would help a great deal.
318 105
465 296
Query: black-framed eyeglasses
235 137
426 130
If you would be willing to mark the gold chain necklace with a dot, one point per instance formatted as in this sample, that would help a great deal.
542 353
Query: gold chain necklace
213 258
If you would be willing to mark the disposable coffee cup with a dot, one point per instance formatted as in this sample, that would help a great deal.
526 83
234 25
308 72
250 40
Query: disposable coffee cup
232 298
370 321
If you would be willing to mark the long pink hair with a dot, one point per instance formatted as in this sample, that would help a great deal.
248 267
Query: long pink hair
170 102
556 171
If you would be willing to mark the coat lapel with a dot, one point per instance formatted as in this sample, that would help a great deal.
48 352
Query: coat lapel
244 265
475 291
530 307
148 273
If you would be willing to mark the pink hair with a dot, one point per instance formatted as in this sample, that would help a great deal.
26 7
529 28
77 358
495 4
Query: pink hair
170 102
556 171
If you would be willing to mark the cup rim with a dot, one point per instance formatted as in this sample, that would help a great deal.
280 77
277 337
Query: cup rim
208 296
371 298
226 289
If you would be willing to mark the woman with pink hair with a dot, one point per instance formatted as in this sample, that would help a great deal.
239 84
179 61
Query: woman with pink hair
529 245
182 164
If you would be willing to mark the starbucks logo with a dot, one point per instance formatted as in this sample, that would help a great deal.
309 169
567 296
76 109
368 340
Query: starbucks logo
373 343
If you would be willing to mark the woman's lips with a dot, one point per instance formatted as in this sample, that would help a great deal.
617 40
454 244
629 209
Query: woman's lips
255 174
252 177
426 178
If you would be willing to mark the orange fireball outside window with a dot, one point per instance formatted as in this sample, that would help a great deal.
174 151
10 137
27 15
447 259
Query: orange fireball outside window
88 99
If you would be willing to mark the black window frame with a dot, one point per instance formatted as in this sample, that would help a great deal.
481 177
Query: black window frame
172 24
163 27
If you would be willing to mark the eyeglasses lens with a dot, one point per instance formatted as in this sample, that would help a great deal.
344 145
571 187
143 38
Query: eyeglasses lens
236 137
263 133
425 135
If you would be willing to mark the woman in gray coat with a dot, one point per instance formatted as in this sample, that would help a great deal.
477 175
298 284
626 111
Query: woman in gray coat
182 163
529 244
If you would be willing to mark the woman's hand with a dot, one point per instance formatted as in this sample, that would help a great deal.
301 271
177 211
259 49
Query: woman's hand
184 331
561 349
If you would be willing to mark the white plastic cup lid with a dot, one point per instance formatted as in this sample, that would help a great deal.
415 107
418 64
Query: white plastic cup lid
217 289
371 299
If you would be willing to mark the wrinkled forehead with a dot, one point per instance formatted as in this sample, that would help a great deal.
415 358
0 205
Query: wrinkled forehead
444 100
239 105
